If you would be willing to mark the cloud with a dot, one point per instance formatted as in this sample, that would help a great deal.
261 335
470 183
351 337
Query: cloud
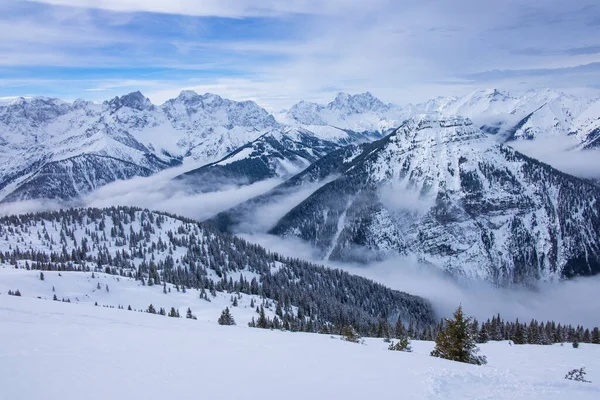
557 153
565 302
261 218
213 8
160 192
280 52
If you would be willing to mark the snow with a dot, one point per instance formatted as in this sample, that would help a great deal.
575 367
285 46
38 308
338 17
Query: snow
54 350
81 288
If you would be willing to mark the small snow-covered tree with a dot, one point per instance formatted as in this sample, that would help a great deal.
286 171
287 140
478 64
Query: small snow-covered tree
41 276
455 341
577 375
349 334
189 314
226 318
403 344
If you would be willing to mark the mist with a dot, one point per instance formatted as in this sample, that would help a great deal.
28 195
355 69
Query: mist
260 218
159 192
559 153
570 302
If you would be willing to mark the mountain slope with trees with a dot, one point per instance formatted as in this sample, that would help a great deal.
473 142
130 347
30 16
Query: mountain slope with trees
156 248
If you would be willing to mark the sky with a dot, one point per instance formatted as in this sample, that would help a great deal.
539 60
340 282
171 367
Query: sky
279 52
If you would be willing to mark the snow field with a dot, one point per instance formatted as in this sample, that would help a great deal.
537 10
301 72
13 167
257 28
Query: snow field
55 350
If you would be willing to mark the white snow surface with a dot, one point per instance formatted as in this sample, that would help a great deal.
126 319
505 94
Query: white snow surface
54 350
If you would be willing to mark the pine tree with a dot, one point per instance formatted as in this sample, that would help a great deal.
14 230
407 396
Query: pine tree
596 335
262 319
189 314
235 302
41 276
400 330
226 318
403 344
349 334
455 341
151 309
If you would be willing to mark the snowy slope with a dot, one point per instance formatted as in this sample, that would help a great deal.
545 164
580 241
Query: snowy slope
158 248
439 190
530 115
587 126
160 357
276 154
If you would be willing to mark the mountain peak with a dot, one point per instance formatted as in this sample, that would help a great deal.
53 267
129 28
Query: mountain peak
187 95
357 103
134 100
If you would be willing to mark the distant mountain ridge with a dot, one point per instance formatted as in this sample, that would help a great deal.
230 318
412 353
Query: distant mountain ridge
53 149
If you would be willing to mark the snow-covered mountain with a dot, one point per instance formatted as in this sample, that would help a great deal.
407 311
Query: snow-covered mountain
54 149
533 114
345 116
156 249
440 190
279 153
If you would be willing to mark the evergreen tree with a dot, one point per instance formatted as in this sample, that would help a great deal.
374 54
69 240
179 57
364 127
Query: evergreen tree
41 276
596 335
403 344
349 334
189 314
455 341
226 318
262 319
151 309
400 330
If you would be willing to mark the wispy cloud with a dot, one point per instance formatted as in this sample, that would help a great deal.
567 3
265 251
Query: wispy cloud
280 52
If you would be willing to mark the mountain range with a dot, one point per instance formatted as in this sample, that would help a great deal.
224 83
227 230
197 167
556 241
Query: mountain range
437 182
55 149
439 190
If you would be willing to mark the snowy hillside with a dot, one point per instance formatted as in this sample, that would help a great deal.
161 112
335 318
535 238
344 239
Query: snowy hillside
439 190
158 357
160 249
276 154
533 114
